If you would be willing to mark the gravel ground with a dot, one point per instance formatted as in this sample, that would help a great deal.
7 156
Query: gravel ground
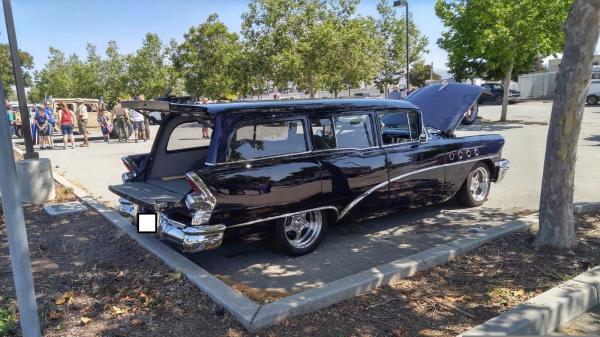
91 280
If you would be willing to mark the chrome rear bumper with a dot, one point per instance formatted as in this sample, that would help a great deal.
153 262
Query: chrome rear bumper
191 239
128 207
502 167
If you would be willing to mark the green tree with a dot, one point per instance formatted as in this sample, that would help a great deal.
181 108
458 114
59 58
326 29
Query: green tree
6 69
114 74
86 77
353 52
175 82
421 72
206 57
290 35
54 79
147 73
392 29
498 39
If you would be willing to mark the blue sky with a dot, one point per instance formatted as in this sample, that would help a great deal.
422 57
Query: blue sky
70 24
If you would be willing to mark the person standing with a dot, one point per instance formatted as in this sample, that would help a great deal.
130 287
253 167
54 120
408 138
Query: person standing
82 121
139 129
10 115
66 120
51 121
146 121
43 125
120 115
394 94
105 125
205 122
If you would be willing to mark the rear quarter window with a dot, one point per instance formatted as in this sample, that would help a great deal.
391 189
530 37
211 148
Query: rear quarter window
266 140
187 136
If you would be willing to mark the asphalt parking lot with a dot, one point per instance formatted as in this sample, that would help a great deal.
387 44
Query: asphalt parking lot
352 247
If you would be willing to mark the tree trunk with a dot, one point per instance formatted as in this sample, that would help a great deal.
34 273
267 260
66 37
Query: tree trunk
582 28
311 85
506 84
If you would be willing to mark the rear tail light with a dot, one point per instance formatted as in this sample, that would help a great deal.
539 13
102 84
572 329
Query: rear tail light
201 201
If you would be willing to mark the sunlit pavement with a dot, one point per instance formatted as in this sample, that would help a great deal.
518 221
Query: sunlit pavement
350 248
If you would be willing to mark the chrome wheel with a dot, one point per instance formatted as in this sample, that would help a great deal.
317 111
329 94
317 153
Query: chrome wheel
480 184
303 229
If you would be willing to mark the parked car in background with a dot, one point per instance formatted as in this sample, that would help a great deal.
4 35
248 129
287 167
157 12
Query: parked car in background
593 94
292 168
496 94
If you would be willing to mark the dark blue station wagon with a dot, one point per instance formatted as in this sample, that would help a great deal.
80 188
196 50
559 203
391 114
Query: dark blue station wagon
294 167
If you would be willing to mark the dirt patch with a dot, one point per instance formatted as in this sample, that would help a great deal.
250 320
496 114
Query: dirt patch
92 280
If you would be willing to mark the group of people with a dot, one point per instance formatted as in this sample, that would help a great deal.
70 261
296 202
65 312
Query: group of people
44 121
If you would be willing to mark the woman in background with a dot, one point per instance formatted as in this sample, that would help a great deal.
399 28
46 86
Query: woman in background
105 125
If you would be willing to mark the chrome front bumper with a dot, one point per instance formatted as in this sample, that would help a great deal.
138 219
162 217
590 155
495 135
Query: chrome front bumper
191 239
502 167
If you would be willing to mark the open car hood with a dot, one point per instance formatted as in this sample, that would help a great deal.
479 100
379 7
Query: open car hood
444 105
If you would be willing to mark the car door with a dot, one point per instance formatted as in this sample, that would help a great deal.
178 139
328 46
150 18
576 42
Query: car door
414 171
354 175
269 171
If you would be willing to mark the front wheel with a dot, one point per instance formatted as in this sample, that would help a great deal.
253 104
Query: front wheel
475 190
592 100
301 233
471 115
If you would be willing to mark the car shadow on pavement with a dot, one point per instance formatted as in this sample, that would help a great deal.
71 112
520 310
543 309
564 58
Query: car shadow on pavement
348 248
594 138
494 126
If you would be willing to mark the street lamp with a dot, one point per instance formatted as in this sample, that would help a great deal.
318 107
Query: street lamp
404 3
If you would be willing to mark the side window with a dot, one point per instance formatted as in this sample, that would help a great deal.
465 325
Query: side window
267 139
399 127
353 131
186 136
323 134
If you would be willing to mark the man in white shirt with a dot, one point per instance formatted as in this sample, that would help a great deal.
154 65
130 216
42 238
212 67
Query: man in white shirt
139 129
82 119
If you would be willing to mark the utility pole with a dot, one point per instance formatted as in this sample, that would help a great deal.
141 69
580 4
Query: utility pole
404 3
15 227
19 83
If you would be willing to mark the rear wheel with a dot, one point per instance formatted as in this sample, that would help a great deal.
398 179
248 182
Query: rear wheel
592 100
301 233
475 190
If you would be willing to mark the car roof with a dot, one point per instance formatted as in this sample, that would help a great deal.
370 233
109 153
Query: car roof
314 104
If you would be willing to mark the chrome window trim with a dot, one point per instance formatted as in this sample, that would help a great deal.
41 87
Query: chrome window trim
382 184
286 215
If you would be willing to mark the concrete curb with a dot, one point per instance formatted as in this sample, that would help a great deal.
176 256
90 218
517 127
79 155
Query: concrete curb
585 207
365 281
548 311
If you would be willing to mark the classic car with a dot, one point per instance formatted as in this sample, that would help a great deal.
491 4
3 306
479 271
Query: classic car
496 95
293 168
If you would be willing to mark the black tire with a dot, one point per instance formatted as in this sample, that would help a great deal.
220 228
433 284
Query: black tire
115 135
498 99
18 132
466 195
283 243
592 100
471 116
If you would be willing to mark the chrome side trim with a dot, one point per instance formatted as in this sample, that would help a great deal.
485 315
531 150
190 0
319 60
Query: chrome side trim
286 215
380 185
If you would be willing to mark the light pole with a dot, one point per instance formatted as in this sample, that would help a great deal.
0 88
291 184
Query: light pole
19 85
404 3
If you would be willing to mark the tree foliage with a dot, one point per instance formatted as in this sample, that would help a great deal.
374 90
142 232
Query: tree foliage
497 39
392 28
421 72
6 69
206 58
147 73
